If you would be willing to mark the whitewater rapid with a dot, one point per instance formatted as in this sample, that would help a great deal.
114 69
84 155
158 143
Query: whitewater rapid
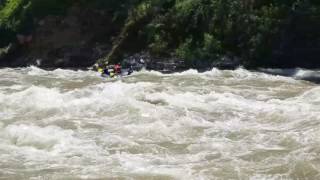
66 124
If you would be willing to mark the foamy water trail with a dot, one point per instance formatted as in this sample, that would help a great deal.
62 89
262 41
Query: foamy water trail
297 73
66 124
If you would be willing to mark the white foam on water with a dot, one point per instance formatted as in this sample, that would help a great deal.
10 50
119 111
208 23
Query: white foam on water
42 138
77 101
189 125
310 96
297 73
33 70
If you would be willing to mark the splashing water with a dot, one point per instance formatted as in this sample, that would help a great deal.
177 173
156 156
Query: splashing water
238 124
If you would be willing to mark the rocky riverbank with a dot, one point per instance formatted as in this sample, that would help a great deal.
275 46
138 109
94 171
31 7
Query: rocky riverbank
156 34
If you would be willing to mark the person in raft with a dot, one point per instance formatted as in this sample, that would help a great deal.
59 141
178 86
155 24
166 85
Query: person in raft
110 70
113 70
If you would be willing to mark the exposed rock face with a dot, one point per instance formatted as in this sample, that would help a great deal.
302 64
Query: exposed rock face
76 40
144 60
169 65
227 63
299 45
70 57
83 36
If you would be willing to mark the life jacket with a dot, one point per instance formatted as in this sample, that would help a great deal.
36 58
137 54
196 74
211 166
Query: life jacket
100 70
111 72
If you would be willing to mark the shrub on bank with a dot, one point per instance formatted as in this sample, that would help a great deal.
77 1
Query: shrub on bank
195 30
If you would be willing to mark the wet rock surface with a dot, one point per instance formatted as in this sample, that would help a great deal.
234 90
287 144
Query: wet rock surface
74 41
144 60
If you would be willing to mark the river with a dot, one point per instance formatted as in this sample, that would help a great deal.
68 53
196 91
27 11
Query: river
66 124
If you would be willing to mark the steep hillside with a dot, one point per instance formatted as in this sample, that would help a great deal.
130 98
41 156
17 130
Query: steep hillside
201 33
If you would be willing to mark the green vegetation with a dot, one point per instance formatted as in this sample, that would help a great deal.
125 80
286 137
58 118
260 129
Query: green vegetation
194 30
17 16
200 30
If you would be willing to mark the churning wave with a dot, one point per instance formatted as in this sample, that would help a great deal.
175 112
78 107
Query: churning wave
66 124
297 73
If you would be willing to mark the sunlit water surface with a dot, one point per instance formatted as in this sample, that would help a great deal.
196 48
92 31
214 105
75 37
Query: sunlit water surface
66 124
